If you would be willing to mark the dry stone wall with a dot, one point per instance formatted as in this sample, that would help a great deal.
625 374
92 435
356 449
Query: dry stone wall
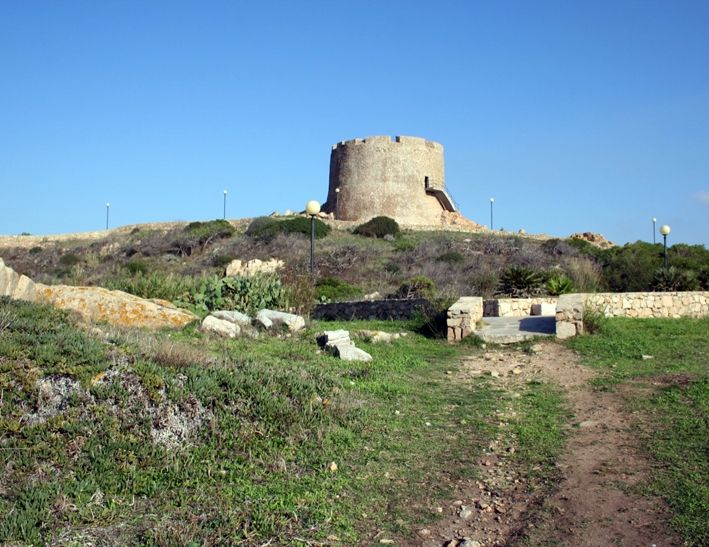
372 309
516 307
463 316
570 308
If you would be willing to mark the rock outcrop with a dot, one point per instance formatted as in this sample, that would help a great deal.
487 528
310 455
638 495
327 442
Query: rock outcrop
253 267
597 240
95 303
115 307
14 285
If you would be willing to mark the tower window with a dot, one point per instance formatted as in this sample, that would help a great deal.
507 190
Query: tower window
426 183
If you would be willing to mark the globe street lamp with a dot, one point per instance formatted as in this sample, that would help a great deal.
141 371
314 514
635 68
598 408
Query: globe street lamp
312 208
665 230
492 202
108 206
654 229
225 193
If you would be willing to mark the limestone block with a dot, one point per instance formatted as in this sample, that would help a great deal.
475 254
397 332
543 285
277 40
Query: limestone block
378 336
543 308
565 330
221 327
232 316
253 267
333 337
14 285
348 352
270 317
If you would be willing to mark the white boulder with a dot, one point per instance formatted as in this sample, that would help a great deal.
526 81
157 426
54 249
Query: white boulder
253 267
220 327
232 316
268 318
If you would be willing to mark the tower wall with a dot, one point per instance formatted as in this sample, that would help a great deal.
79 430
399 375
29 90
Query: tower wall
384 176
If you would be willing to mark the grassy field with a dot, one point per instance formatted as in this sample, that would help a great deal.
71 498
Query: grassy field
123 436
664 366
172 438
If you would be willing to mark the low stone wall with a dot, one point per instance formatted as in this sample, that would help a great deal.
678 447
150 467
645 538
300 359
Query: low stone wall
570 308
516 307
462 317
371 309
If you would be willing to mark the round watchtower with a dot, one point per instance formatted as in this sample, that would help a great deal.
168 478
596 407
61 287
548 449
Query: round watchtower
402 178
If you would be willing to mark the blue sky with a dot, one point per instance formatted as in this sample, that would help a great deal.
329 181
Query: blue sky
574 116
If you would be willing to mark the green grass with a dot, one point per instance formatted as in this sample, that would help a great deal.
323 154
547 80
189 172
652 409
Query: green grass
676 435
276 414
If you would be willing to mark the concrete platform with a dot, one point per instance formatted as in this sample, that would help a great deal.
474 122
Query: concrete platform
510 330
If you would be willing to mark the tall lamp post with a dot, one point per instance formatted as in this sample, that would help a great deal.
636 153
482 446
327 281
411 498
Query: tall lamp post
492 202
108 206
654 229
665 230
312 208
225 193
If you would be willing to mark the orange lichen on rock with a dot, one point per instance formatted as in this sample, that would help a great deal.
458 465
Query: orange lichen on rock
115 307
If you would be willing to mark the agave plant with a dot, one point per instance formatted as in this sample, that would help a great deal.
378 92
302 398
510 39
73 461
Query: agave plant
559 284
520 282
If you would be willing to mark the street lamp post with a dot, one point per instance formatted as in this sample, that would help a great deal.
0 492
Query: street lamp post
665 230
225 193
492 202
654 230
312 208
108 206
337 199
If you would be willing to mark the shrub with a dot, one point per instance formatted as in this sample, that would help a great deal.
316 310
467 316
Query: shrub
267 228
220 261
35 250
201 234
300 292
559 284
68 260
244 294
451 257
333 289
136 267
519 282
172 287
593 320
672 279
416 287
378 227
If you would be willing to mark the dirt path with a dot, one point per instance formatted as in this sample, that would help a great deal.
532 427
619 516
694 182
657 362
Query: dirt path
594 504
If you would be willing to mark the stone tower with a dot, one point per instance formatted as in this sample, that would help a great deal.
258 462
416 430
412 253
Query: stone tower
402 178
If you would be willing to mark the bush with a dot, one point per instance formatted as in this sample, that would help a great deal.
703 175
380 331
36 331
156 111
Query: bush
593 320
35 250
416 287
331 289
244 294
520 282
267 228
69 260
201 234
672 279
300 292
220 261
172 287
451 257
559 284
136 267
378 227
